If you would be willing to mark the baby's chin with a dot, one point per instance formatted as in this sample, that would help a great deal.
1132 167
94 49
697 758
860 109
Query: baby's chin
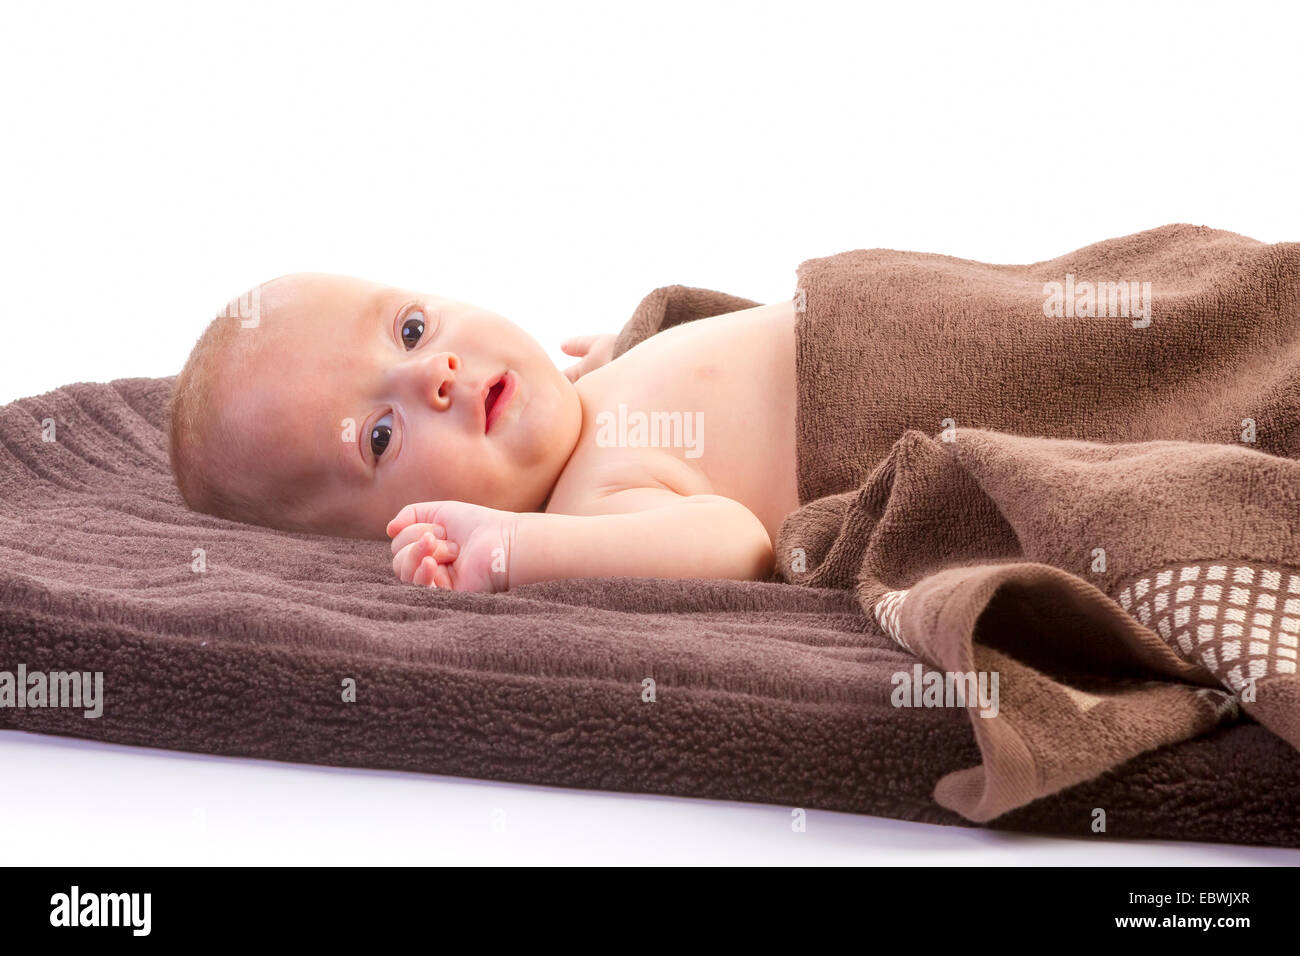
529 462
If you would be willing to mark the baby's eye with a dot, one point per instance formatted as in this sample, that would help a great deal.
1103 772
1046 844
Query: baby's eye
381 434
412 329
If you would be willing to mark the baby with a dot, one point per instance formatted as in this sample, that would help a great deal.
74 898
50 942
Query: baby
350 408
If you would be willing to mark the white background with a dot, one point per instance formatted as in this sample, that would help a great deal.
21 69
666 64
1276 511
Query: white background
555 162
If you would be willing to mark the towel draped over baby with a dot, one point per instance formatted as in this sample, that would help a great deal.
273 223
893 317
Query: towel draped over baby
1073 480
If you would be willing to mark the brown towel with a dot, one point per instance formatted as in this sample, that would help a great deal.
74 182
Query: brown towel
1176 333
763 692
890 341
994 554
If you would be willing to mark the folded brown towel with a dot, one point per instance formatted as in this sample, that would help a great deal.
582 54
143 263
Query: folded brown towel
995 554
1176 333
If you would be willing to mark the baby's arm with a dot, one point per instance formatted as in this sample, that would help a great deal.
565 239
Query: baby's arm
640 532
646 532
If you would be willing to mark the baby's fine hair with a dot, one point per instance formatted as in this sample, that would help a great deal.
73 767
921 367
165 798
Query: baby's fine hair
202 446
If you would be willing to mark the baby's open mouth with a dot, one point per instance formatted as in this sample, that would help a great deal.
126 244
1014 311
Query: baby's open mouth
497 399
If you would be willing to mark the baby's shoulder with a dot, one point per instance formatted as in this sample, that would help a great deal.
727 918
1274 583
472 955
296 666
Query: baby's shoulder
597 477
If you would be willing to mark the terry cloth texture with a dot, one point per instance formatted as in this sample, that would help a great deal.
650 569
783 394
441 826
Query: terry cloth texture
1119 597
224 638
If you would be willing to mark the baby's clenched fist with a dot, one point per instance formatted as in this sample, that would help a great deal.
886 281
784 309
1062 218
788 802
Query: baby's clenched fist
453 545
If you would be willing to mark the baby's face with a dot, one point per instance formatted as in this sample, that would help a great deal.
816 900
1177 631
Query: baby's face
359 399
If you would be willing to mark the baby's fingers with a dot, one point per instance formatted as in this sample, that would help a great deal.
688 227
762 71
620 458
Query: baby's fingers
431 574
408 562
578 345
415 532
424 512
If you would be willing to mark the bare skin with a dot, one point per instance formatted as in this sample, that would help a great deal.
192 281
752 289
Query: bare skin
625 507
350 399
737 370
354 402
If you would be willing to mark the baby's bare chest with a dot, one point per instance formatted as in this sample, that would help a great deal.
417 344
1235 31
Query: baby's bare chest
706 407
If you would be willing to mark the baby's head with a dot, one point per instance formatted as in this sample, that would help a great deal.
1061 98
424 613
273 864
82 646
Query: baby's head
332 403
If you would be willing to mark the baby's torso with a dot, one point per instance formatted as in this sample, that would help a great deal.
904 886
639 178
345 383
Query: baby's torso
707 407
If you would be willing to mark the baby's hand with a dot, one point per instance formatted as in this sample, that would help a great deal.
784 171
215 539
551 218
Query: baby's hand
453 545
594 350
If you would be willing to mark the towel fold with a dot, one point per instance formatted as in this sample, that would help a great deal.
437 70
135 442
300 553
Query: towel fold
1076 475
1113 598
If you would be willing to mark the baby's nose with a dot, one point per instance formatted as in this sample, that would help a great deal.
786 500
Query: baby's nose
439 375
